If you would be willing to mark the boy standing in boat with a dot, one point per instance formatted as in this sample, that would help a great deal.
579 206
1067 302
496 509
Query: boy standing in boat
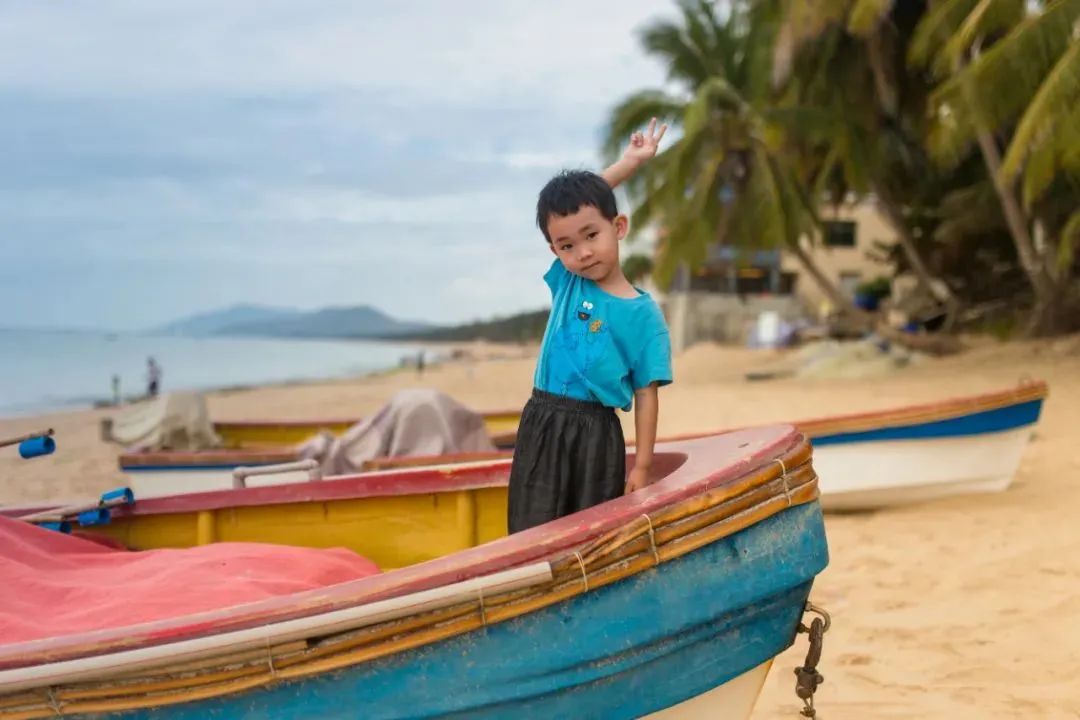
606 346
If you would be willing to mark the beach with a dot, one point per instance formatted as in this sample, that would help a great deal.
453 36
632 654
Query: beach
961 608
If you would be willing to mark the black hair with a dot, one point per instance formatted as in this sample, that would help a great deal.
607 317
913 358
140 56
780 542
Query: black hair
568 192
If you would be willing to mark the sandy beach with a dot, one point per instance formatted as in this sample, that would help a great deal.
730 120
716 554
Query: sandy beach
963 608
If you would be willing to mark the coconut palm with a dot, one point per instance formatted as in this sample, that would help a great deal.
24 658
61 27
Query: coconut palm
847 56
1011 69
727 177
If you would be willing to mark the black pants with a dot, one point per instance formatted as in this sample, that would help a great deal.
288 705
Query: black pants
569 455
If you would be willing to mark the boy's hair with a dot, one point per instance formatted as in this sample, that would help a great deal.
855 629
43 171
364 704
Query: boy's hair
568 192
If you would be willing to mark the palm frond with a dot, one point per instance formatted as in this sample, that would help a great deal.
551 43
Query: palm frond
866 15
1033 140
1000 83
1039 171
1069 241
935 29
985 19
677 44
809 19
971 211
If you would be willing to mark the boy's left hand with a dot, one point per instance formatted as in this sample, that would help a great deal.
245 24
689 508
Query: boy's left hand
638 478
643 145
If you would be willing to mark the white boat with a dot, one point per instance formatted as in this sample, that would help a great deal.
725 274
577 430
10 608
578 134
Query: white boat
962 445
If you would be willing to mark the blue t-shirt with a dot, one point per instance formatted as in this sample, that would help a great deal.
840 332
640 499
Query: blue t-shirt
599 347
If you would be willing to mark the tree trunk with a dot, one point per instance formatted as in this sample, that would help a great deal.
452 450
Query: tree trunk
907 243
1045 318
838 298
1049 296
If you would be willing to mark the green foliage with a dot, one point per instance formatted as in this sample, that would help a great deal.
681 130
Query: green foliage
880 287
635 267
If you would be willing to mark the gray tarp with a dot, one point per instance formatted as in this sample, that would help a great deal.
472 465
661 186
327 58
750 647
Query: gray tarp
414 422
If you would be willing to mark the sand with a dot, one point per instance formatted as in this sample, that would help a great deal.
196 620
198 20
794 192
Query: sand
961 608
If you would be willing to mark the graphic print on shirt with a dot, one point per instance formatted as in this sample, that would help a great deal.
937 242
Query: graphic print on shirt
581 342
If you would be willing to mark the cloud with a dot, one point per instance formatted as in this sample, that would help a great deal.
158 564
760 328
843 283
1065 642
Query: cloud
157 151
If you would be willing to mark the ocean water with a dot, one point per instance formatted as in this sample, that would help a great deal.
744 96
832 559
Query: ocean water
45 371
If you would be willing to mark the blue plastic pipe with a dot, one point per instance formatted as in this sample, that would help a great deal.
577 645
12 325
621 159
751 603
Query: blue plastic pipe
36 447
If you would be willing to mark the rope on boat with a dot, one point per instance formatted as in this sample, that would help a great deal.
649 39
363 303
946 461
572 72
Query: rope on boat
807 677
54 703
270 658
584 574
784 479
483 610
652 538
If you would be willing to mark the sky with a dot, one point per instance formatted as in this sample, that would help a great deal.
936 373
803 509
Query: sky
165 158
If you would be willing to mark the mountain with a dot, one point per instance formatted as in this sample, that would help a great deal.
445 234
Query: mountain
522 327
339 322
217 321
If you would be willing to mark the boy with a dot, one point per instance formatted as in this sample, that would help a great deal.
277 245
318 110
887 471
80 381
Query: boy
606 346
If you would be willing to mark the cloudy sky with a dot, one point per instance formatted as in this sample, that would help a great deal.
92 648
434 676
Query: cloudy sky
164 158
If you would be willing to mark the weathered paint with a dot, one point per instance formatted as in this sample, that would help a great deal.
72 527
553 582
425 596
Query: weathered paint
622 651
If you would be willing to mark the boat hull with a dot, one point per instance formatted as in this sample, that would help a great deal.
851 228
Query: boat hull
888 473
690 638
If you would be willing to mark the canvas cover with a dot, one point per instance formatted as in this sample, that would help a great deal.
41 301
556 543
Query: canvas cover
56 584
414 422
177 421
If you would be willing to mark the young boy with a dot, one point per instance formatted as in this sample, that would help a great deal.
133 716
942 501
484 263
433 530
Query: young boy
606 346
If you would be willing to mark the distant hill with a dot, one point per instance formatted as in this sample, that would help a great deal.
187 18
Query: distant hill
261 321
523 327
340 322
216 321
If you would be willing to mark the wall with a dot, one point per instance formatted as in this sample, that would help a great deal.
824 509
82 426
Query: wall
836 262
698 316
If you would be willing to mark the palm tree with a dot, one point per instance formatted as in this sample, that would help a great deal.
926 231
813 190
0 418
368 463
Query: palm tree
847 58
727 177
1011 68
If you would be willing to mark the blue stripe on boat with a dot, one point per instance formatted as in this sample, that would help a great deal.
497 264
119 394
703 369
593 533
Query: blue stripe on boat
633 647
988 421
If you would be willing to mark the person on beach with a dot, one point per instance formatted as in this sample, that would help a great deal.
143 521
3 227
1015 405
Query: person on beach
153 377
606 346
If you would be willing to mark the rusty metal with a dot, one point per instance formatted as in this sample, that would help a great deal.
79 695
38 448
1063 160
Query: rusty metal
807 677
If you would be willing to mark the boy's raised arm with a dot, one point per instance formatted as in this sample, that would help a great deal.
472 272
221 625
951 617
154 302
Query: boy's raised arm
642 147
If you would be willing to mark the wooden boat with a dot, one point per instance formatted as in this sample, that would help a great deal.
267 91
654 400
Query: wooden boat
255 444
915 453
282 434
957 446
667 603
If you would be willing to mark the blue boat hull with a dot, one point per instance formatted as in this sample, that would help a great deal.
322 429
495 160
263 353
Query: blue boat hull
622 651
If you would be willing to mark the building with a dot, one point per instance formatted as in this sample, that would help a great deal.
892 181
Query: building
855 234
722 300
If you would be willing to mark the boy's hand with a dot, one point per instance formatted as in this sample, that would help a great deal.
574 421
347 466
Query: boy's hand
642 147
638 478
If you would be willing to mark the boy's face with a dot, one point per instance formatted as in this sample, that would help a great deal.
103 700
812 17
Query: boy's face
587 243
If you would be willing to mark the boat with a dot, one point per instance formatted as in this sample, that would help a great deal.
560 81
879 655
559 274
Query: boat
269 451
280 435
670 602
916 453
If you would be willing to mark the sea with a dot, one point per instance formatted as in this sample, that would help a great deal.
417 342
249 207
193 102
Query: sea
56 370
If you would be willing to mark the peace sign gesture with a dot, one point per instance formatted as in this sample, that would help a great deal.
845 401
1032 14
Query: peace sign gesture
643 146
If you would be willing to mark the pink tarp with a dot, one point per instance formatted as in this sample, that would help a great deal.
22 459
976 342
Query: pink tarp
53 584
